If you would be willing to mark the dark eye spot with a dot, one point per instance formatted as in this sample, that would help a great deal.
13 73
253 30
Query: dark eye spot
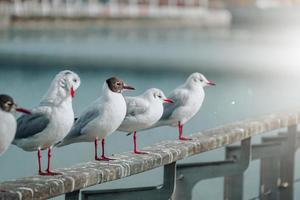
118 83
159 96
75 80
201 80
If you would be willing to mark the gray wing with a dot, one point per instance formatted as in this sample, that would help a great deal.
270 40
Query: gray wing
179 97
136 106
30 125
82 121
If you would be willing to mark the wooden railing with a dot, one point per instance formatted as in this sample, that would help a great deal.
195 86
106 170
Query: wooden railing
165 153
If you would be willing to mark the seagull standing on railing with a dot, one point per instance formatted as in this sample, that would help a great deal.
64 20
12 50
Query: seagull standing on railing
188 99
101 118
8 124
51 121
142 112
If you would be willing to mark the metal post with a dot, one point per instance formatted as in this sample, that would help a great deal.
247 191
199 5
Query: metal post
234 184
73 195
287 164
190 174
269 174
162 192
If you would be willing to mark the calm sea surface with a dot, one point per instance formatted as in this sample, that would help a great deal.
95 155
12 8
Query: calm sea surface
252 78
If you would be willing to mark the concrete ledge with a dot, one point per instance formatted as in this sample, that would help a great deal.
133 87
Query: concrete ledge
91 173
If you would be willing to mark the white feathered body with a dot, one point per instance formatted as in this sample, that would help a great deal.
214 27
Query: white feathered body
55 107
8 126
61 121
141 114
189 100
111 107
113 110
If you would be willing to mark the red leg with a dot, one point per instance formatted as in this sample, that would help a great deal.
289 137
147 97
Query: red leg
39 162
48 170
181 137
103 157
96 148
136 151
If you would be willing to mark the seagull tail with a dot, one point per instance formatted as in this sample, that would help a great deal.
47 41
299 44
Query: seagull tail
130 133
63 143
60 144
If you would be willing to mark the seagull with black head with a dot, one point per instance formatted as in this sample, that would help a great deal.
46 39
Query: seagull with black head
8 124
101 118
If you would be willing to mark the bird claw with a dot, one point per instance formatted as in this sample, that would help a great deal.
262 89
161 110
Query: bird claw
49 173
184 138
104 158
140 152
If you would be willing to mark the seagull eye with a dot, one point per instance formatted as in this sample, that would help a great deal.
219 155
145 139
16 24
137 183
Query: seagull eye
201 80
75 80
9 103
118 83
159 96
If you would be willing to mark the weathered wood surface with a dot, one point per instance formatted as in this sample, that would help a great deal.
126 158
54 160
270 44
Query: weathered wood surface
91 173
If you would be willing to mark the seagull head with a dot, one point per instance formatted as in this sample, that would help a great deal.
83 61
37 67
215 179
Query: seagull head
198 79
117 85
155 94
63 86
68 83
7 104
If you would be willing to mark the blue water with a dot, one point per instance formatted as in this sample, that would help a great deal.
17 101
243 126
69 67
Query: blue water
30 58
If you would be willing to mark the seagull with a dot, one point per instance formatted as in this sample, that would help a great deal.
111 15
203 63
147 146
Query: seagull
51 120
101 118
188 99
8 124
143 111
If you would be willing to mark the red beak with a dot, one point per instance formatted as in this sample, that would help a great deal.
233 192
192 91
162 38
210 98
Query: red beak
211 83
72 92
23 110
168 100
128 87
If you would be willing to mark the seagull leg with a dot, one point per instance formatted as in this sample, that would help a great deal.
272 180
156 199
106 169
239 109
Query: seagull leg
48 170
39 161
136 151
181 137
96 149
103 157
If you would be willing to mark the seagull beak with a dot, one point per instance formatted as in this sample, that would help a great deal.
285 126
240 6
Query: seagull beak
23 110
168 100
128 87
72 92
211 83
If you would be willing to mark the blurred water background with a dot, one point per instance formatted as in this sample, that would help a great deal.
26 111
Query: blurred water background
255 68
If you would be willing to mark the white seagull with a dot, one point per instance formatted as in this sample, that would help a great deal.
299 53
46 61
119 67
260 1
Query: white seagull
51 120
101 118
143 111
8 124
188 99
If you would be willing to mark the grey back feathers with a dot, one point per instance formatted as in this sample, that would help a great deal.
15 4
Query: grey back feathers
170 107
30 125
81 122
